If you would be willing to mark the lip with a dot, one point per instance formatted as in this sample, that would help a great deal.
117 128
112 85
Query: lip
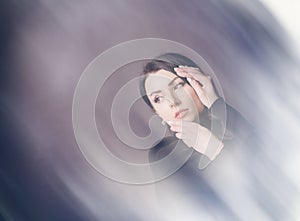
180 114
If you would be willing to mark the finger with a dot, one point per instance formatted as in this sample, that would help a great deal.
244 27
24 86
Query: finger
175 122
181 126
178 135
195 84
200 92
182 73
176 128
197 87
179 122
191 69
197 75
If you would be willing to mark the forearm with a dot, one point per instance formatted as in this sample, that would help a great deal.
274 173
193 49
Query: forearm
228 123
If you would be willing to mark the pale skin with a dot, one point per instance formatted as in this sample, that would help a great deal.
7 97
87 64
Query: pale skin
178 104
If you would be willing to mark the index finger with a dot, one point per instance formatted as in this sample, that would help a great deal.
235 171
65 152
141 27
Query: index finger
192 73
179 122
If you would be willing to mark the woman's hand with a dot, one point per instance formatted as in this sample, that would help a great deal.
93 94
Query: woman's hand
201 83
196 136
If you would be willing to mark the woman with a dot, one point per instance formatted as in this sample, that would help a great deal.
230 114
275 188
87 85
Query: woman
186 99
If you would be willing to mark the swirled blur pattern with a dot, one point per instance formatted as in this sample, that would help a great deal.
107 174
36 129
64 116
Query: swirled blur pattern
45 46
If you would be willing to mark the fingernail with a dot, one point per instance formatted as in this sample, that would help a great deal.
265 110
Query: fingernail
170 122
189 79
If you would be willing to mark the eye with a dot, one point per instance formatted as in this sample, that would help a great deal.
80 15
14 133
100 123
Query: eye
179 85
158 99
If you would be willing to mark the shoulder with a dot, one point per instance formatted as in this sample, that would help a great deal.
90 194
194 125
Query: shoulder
236 124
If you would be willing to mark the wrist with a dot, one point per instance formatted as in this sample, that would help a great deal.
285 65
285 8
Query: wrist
214 149
212 100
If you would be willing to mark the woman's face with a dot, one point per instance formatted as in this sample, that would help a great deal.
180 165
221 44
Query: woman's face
171 97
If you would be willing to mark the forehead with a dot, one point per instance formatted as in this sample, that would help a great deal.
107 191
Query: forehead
158 80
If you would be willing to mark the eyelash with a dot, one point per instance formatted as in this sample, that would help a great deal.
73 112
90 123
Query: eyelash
181 84
157 99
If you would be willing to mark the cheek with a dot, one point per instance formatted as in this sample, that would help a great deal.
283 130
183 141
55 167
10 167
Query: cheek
161 109
190 90
189 94
193 98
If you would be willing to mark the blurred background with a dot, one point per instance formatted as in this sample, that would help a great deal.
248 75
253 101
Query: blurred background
252 46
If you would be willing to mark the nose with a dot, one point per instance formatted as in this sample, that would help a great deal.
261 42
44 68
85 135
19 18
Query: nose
174 100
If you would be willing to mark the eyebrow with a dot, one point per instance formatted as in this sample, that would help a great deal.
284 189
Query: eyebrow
174 79
155 92
171 82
